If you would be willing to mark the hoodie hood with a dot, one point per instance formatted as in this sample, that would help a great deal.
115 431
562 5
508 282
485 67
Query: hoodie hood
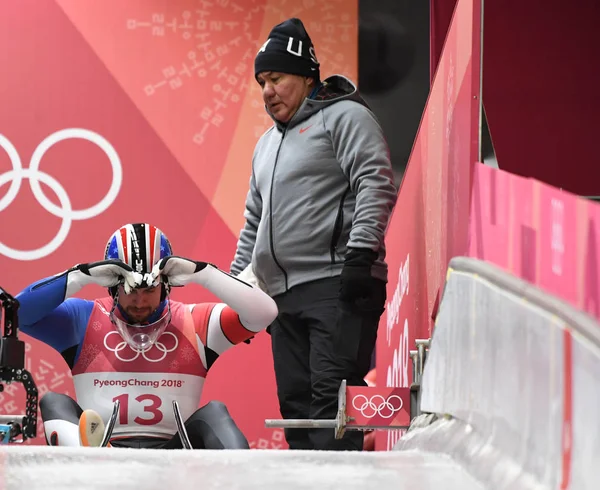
333 89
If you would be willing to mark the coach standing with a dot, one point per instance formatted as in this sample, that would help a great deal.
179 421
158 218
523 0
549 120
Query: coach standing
321 196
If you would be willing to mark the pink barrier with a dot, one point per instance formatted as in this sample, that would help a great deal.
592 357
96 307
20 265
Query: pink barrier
539 233
430 223
450 206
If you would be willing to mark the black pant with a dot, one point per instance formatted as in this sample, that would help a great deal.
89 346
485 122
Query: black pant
318 341
209 427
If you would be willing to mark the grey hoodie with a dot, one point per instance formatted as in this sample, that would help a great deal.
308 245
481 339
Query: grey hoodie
319 185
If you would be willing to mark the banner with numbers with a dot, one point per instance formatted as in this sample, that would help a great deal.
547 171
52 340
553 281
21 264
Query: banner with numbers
116 111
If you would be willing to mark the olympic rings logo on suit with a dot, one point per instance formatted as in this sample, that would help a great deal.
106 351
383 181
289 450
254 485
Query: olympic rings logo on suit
121 346
35 176
377 405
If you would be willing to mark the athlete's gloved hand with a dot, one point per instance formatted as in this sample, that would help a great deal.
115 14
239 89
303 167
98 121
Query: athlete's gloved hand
178 271
255 309
106 273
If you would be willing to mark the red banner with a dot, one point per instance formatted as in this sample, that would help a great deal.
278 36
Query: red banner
114 112
430 223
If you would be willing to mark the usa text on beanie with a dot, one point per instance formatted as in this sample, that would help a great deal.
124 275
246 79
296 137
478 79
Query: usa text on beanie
288 49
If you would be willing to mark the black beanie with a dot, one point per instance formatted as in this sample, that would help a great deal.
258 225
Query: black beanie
288 50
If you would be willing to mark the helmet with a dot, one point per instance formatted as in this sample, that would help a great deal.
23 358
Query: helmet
141 246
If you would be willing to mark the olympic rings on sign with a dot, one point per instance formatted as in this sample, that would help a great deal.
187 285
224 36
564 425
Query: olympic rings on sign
377 405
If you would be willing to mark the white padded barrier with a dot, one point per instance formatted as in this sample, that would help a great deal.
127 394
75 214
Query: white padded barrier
518 369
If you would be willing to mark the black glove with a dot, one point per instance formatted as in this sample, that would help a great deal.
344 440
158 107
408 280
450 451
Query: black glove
357 283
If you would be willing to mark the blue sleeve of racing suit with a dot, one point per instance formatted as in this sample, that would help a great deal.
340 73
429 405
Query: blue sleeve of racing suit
45 315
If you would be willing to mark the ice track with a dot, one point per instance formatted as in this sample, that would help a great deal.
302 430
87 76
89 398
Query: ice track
41 467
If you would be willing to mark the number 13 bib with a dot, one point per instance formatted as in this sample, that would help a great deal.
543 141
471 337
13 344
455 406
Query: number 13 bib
145 383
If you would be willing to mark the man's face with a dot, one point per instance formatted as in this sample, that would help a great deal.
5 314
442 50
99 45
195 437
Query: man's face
140 303
283 93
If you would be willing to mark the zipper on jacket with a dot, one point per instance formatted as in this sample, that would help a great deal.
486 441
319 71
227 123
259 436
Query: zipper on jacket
337 226
271 243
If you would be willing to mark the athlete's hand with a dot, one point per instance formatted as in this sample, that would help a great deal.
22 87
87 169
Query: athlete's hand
177 271
109 273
